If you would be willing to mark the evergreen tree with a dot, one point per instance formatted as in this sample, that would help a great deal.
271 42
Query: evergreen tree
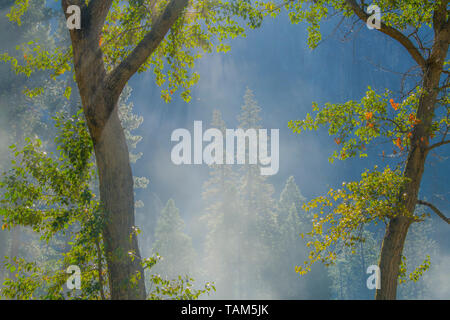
172 244
349 275
257 218
288 245
221 198
131 122
290 204
419 251
289 250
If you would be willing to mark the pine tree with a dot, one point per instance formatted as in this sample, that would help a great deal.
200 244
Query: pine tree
257 219
419 247
172 244
221 199
349 275
131 122
288 246
290 196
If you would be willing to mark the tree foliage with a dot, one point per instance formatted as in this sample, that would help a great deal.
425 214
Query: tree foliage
415 125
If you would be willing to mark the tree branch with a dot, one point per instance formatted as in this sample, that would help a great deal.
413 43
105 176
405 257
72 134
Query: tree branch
117 79
436 210
75 34
439 16
66 3
98 10
391 32
438 144
93 16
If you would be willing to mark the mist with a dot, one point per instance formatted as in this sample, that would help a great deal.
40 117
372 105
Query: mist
285 77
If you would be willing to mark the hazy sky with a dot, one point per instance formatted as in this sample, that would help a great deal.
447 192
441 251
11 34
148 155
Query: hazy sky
286 77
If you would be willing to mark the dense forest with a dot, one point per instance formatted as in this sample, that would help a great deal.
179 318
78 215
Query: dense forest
91 92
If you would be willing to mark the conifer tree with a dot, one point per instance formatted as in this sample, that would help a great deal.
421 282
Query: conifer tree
257 219
222 217
349 273
172 244
288 247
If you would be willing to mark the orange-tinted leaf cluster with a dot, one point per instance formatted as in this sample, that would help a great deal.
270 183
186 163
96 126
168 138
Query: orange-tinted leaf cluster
369 117
394 105
398 143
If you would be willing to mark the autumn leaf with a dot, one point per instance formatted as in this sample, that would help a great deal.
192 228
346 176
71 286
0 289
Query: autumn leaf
368 115
398 143
394 105
337 140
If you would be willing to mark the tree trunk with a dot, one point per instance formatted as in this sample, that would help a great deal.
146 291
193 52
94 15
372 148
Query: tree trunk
117 196
115 177
100 93
390 257
397 228
114 171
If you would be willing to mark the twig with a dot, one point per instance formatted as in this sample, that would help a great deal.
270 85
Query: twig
436 210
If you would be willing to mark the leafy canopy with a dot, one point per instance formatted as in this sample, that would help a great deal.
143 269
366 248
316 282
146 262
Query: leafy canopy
402 15
374 120
205 26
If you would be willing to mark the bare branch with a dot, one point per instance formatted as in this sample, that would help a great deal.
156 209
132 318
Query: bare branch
438 144
117 79
391 32
436 210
